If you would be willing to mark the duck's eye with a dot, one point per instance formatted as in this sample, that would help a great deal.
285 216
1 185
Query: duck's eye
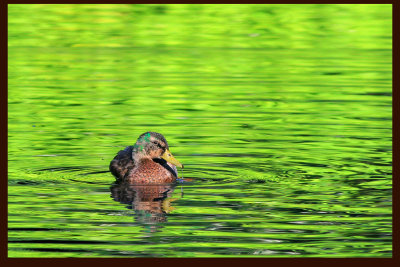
156 143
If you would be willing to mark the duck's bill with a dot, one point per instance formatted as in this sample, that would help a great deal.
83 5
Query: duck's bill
170 158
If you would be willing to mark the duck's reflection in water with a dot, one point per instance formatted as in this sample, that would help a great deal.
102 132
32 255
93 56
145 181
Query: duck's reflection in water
151 203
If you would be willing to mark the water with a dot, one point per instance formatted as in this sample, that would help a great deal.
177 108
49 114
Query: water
281 115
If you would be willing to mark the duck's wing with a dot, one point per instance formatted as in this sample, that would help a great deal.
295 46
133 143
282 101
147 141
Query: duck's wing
122 162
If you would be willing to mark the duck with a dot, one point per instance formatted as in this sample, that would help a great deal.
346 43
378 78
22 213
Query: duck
147 162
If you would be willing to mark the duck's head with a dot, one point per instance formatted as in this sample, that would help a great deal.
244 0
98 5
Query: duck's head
153 145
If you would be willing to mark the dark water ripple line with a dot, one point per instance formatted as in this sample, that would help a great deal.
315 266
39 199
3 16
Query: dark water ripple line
183 239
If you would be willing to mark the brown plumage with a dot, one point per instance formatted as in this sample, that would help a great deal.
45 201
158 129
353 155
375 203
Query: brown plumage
147 162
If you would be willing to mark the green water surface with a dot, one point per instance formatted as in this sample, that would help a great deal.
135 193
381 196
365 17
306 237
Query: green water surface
281 114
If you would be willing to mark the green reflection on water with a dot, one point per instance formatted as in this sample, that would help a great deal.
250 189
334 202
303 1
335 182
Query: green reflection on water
280 113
